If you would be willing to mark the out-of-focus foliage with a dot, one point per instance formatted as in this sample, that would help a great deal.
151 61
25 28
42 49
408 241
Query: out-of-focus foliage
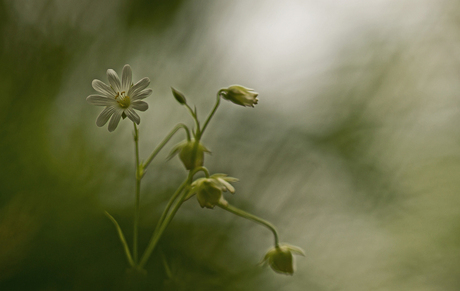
353 150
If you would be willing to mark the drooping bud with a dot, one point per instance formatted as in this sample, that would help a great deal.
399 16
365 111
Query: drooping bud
179 96
280 258
209 190
191 153
240 95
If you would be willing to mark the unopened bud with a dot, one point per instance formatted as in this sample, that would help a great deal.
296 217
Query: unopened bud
191 153
240 95
179 96
280 258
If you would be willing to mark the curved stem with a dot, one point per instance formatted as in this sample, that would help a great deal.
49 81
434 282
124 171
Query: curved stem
249 216
137 198
211 114
165 141
202 169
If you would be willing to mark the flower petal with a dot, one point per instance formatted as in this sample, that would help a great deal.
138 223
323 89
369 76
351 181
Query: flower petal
103 88
295 249
99 100
141 94
139 86
114 80
126 78
227 185
115 120
132 115
140 105
105 115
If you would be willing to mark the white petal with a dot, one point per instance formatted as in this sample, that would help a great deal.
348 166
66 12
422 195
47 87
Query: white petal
227 185
140 105
105 115
115 120
294 249
141 95
139 86
126 78
132 115
99 100
103 88
114 80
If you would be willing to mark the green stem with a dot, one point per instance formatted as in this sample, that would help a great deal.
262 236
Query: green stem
157 234
167 217
211 114
202 169
165 141
249 216
168 206
137 198
122 239
195 117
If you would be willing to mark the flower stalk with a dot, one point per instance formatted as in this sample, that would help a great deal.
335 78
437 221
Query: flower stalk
137 195
252 217
165 141
168 215
212 112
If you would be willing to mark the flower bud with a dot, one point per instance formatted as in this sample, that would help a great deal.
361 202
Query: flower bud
240 95
209 190
191 153
179 96
280 258
209 194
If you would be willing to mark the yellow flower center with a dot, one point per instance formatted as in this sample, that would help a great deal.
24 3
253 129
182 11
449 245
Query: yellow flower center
123 100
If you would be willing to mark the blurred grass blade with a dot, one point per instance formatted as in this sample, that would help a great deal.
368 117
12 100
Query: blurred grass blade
165 263
122 239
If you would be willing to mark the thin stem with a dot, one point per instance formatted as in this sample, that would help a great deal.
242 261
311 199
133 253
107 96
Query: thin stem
137 198
156 237
202 169
195 117
122 239
212 113
157 234
165 141
168 206
249 216
136 220
167 216
176 194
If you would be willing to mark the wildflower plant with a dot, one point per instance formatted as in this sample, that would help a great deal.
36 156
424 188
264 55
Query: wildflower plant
121 98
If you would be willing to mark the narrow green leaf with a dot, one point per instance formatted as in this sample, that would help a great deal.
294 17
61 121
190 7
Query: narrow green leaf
122 239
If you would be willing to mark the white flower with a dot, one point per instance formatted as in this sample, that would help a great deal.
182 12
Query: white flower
120 98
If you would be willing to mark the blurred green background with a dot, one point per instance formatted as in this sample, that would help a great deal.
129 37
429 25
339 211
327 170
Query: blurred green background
353 151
